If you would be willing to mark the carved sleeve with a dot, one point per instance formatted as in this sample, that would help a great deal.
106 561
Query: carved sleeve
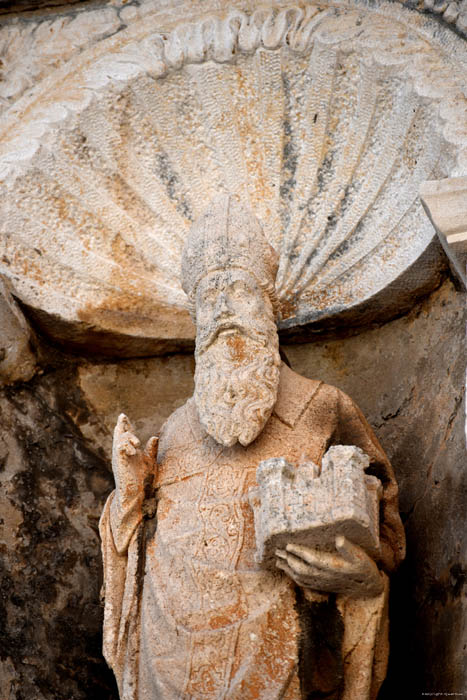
353 429
124 520
120 594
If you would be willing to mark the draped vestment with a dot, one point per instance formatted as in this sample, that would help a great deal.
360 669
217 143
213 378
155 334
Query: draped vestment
189 613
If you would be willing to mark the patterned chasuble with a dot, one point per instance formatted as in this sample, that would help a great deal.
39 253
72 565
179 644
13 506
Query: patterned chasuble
228 629
212 624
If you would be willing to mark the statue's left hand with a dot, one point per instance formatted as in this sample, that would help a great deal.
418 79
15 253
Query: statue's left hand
348 571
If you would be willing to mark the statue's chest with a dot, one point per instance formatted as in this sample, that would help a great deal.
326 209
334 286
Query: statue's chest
203 494
205 513
200 562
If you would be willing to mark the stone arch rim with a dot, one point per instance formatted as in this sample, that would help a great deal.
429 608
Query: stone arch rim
28 103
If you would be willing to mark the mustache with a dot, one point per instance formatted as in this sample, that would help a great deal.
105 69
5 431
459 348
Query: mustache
205 339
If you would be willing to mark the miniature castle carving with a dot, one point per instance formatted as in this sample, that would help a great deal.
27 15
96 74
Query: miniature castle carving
312 508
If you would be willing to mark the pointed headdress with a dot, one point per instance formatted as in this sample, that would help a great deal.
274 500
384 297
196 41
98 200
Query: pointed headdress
228 235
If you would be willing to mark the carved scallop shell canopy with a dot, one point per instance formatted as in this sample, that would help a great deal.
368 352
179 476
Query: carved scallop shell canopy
325 120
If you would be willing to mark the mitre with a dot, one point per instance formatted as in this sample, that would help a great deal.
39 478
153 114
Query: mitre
227 235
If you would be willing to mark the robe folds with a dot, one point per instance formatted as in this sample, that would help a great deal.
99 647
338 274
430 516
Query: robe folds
189 614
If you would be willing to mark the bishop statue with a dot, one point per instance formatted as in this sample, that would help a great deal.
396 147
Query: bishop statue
190 611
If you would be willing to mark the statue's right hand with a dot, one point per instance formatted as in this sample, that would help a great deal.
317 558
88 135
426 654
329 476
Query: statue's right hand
130 464
125 442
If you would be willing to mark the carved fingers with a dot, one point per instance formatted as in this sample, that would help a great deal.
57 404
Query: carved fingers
150 451
312 573
347 571
125 441
131 464
150 455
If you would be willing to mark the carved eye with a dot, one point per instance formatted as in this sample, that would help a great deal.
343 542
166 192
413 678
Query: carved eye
208 297
239 290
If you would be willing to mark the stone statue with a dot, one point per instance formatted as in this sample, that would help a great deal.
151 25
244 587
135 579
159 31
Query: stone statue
190 611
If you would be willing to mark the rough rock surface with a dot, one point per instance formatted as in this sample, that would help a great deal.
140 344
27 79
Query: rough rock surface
408 378
52 490
17 358
147 390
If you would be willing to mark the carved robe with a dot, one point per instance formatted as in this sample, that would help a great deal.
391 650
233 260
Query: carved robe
188 612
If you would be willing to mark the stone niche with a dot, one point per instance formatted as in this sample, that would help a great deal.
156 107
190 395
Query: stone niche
118 123
322 117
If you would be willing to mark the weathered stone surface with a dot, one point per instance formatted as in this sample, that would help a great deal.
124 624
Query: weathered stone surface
412 394
205 603
182 579
148 390
445 202
17 6
311 506
52 489
17 358
110 156
454 12
32 48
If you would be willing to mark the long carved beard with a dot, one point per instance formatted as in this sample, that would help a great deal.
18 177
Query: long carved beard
236 383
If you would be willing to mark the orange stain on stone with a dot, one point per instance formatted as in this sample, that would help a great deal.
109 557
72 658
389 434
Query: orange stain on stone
288 308
237 348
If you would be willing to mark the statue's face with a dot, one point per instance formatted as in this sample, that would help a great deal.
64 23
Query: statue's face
229 300
237 357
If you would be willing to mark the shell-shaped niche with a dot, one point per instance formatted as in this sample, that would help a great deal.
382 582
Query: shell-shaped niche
325 121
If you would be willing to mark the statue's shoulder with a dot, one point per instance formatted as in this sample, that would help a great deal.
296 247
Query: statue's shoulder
298 394
299 390
176 428
301 387
325 399
312 402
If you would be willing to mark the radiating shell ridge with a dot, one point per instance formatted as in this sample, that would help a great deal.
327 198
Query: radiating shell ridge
324 121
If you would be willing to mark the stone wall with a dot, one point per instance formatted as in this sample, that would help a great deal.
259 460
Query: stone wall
55 438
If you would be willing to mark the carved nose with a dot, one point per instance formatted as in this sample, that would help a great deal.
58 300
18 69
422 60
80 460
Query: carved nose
222 306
